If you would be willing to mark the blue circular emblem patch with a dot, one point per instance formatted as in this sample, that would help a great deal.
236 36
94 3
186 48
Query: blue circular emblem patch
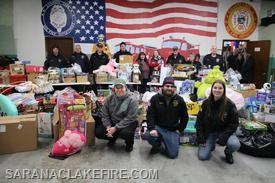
58 18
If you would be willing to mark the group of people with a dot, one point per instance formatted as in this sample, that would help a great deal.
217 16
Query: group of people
167 117
239 61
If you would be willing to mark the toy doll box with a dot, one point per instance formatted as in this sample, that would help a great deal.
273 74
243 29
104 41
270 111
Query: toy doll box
89 127
18 133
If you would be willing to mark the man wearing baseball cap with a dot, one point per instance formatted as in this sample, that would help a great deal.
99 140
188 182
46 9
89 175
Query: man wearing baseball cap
166 117
175 57
119 116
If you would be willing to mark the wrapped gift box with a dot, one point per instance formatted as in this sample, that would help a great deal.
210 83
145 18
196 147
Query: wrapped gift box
17 69
16 78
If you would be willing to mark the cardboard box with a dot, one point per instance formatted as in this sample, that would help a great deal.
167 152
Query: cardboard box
44 121
126 59
17 69
248 93
4 77
69 80
82 79
101 77
18 133
89 128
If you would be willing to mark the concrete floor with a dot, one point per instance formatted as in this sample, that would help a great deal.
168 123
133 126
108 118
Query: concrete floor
186 168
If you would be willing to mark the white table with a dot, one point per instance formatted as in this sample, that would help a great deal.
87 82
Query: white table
70 84
110 83
154 84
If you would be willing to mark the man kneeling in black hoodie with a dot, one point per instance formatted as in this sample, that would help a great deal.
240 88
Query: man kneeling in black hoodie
166 117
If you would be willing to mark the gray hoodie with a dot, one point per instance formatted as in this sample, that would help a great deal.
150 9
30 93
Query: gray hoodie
121 111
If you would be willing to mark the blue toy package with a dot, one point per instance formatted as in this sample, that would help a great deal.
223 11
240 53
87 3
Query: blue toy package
261 97
187 86
251 102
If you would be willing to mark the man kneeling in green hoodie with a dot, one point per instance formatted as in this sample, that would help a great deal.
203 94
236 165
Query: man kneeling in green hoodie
119 116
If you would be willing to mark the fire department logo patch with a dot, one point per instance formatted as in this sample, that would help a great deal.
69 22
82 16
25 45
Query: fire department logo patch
241 20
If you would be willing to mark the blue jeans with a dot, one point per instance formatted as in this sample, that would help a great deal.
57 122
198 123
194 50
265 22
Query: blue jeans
204 152
169 138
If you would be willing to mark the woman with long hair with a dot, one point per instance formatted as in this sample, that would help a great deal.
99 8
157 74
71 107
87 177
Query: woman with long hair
145 71
217 122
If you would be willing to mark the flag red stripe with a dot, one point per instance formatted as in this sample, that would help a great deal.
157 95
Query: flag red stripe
154 4
121 15
159 33
160 23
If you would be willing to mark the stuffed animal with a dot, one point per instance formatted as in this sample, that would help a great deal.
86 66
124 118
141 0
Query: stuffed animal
266 88
110 68
136 68
70 143
213 75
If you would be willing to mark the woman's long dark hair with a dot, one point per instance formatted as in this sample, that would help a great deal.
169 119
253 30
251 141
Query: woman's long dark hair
139 59
210 101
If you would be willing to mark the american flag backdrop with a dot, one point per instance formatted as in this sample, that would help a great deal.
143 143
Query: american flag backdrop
146 22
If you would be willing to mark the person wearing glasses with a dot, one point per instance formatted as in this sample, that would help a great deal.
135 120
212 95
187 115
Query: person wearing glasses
166 118
119 116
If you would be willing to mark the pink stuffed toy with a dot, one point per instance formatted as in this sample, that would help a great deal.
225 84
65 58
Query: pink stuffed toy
109 68
70 143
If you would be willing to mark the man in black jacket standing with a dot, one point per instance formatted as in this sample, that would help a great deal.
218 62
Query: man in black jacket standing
56 59
176 57
98 58
214 59
166 117
80 58
122 51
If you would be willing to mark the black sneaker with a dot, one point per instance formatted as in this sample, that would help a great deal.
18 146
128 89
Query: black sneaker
228 157
155 150
129 148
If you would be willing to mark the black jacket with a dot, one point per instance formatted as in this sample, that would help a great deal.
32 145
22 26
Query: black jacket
247 71
178 60
172 117
231 60
213 61
117 54
82 60
56 61
97 60
207 124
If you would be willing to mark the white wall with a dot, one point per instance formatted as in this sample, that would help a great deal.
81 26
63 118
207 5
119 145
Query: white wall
28 31
223 6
